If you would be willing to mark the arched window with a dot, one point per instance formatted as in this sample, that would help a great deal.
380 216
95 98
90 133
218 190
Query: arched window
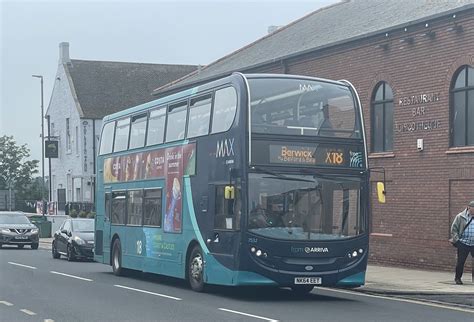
462 107
382 118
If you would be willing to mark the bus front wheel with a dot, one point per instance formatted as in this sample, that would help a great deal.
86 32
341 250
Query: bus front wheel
196 269
117 258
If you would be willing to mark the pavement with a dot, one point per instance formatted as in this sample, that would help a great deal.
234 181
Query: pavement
399 281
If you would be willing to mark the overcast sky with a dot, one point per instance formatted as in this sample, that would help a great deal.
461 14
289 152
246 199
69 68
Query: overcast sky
162 32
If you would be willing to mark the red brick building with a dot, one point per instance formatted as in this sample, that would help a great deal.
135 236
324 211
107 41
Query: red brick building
412 63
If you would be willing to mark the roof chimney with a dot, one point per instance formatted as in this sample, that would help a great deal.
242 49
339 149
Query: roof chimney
272 29
64 53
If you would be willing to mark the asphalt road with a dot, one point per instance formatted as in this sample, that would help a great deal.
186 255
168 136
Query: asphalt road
36 287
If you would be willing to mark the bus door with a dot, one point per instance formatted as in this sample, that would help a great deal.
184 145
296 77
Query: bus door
107 224
224 240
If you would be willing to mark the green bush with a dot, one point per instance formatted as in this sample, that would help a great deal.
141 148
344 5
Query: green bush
73 213
91 215
82 214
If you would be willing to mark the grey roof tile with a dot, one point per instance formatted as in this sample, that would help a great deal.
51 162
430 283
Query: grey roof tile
335 24
104 87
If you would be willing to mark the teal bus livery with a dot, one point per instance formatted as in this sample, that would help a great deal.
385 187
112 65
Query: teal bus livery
252 179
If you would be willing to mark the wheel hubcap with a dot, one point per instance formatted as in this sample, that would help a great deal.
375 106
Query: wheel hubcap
196 267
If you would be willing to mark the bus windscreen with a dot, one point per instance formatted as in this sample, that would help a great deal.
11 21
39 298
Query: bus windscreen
303 107
304 207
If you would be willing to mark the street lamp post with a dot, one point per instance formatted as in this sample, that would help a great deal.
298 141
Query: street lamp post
42 143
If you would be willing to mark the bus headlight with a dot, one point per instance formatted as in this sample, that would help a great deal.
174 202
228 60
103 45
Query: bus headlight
355 253
258 252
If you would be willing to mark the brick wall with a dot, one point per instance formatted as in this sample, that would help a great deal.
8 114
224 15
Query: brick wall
425 190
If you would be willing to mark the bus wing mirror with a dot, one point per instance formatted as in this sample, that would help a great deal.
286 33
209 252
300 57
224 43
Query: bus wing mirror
229 192
381 192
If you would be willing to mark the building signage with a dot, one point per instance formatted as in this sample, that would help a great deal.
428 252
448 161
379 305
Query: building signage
418 99
419 110
84 124
51 149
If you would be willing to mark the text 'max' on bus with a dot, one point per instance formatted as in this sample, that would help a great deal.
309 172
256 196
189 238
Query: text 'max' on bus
248 180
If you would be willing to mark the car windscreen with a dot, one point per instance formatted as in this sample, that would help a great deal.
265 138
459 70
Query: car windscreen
14 219
83 225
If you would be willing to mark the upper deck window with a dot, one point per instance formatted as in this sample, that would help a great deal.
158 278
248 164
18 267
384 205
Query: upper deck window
138 130
225 105
199 116
121 135
302 107
107 138
176 121
156 127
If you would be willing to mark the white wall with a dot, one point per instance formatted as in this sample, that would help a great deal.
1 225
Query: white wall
74 168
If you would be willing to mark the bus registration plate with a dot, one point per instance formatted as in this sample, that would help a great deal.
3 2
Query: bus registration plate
308 280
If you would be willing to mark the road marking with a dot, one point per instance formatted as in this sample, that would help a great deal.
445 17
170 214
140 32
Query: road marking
21 265
442 306
148 292
247 314
28 312
48 320
6 303
72 276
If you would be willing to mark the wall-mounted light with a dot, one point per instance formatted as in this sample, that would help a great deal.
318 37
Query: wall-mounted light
429 34
455 28
382 46
407 40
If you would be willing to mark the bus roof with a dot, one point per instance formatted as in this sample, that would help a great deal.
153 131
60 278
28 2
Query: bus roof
192 90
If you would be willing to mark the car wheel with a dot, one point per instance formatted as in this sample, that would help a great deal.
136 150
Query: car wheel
34 246
196 269
70 253
302 289
21 246
117 259
54 251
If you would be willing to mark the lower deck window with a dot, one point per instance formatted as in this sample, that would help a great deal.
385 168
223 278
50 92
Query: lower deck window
135 205
152 208
119 208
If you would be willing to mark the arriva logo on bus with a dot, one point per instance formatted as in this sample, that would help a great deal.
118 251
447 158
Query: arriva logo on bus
309 250
225 148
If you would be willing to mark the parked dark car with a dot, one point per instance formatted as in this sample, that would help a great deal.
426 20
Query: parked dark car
16 229
74 239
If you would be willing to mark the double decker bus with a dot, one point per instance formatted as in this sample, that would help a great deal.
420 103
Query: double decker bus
252 179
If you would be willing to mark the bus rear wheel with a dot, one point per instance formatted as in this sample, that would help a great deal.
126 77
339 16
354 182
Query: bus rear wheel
196 269
117 258
302 289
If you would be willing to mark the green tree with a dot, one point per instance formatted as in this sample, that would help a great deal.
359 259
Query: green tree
15 168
